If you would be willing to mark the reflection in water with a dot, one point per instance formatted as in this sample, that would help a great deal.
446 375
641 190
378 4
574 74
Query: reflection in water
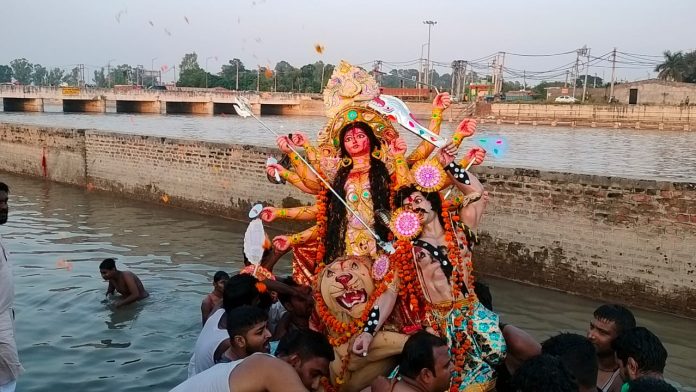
147 345
643 154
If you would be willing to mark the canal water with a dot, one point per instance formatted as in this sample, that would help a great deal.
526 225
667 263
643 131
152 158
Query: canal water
631 153
71 339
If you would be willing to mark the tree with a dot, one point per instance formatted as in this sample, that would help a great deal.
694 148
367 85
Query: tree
539 90
122 74
55 76
5 74
191 73
73 77
100 79
22 70
189 62
673 68
39 75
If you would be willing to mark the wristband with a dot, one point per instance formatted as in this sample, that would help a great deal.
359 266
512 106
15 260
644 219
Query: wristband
458 173
372 321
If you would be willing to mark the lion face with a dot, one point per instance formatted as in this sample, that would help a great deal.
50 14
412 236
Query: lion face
346 284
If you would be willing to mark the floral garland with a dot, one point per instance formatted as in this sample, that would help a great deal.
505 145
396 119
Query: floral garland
322 219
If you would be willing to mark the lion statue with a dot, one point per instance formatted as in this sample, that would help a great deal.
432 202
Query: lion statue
347 288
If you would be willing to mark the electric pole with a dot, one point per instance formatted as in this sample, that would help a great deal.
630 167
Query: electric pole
587 70
575 72
613 68
430 24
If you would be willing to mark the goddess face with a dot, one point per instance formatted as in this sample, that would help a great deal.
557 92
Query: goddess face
356 142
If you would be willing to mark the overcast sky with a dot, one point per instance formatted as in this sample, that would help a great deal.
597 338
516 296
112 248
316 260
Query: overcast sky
262 32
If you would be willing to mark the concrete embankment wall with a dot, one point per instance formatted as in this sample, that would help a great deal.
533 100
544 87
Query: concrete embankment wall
613 238
612 116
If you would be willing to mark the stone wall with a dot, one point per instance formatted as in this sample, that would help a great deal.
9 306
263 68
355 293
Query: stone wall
615 116
603 237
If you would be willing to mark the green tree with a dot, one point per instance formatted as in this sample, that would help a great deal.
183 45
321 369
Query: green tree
673 68
73 77
191 74
5 74
22 70
55 76
539 90
122 74
39 75
100 79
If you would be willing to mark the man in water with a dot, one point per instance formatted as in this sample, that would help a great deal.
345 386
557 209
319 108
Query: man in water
640 354
578 355
609 322
10 367
303 359
247 327
125 282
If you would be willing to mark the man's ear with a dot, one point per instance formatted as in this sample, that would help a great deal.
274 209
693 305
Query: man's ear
632 368
295 361
238 341
426 375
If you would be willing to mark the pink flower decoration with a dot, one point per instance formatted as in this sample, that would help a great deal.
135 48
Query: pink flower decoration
405 224
380 267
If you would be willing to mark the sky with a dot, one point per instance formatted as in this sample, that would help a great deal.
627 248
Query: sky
154 33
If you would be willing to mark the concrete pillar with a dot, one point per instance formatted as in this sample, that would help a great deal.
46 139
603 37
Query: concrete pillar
138 107
23 104
84 106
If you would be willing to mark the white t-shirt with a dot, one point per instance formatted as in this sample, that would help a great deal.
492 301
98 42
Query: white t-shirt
6 280
208 341
215 379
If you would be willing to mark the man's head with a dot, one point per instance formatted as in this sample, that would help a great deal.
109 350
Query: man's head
609 322
650 384
426 359
577 354
309 353
107 269
640 353
300 306
544 373
242 289
248 331
428 205
4 197
219 280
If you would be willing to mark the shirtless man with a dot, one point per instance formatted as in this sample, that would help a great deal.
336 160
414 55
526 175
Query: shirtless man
302 361
125 282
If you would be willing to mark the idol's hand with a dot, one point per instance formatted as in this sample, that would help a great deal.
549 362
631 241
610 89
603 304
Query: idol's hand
362 343
442 101
447 154
476 154
273 168
466 128
281 242
283 144
268 214
298 138
397 146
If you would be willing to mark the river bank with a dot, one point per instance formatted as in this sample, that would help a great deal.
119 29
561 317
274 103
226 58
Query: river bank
598 236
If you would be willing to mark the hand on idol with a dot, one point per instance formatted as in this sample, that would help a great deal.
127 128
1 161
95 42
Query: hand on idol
362 343
268 214
274 168
283 144
298 138
281 242
476 155
397 146
447 154
442 101
466 128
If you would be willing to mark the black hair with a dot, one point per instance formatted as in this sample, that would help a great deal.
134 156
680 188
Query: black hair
544 373
380 183
620 315
483 292
577 353
644 347
650 384
418 353
4 187
240 290
433 197
285 297
108 264
241 319
306 344
220 275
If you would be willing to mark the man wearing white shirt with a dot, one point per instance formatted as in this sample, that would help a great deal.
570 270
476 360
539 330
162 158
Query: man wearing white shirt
10 367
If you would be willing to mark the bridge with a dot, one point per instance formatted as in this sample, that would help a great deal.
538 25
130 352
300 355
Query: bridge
130 99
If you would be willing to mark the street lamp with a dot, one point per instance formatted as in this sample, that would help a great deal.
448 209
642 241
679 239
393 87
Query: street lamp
108 71
206 69
430 24
421 73
152 71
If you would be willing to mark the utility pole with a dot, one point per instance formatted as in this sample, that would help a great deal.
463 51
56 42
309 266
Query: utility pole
430 24
587 70
206 70
236 84
575 74
258 78
524 79
321 85
566 82
613 69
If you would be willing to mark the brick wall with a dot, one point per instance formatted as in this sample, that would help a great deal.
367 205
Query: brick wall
602 237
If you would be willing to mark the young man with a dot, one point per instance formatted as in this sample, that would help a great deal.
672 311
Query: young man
303 359
247 328
214 299
578 355
299 310
640 354
10 367
544 373
608 323
125 282
650 384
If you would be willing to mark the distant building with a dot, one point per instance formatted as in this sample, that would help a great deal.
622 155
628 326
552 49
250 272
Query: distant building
655 92
521 95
